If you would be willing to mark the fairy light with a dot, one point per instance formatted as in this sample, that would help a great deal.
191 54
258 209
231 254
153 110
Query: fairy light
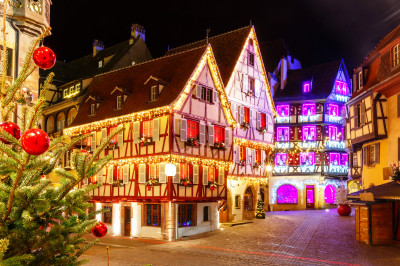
252 180
252 144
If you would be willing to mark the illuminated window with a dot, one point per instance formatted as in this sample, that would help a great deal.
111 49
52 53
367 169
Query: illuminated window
242 153
252 86
258 156
107 215
334 158
333 133
154 93
212 174
192 129
219 134
333 109
246 117
115 138
341 87
345 159
66 93
309 109
251 59
309 133
286 194
100 64
283 110
154 171
186 215
153 215
147 130
307 158
281 159
263 120
71 90
330 194
395 55
360 79
78 87
307 86
119 102
185 171
282 134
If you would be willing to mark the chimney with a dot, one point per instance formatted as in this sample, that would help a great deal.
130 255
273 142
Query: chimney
137 31
97 46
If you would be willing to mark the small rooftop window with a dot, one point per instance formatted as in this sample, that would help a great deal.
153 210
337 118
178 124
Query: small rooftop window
307 86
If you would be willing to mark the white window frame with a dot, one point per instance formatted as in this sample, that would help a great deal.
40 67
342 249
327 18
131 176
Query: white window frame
119 102
147 128
92 109
360 84
154 93
396 56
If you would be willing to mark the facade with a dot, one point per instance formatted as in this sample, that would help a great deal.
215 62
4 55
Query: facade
26 21
246 85
310 148
174 109
72 79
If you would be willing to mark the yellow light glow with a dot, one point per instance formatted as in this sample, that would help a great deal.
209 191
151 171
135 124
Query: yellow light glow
249 180
253 144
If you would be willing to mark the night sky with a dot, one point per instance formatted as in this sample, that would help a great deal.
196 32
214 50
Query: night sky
315 31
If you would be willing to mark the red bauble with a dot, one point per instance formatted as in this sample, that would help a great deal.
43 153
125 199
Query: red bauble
35 141
212 188
44 57
11 128
99 230
344 210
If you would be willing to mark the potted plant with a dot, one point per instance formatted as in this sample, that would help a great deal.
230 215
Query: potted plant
344 209
245 125
262 130
212 185
220 146
151 182
192 142
144 141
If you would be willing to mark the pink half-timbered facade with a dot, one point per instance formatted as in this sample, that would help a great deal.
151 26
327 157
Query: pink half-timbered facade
173 109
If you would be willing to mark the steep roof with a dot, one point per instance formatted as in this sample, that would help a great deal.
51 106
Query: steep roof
388 191
226 47
272 52
175 70
322 77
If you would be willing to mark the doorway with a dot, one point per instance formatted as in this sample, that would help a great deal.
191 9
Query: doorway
310 197
248 204
127 221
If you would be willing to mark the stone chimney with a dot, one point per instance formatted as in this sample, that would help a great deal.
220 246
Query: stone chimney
137 31
97 46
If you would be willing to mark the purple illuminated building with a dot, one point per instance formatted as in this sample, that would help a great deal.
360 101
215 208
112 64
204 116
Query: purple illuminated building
310 155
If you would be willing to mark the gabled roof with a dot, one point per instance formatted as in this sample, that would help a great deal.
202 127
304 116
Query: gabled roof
387 191
226 47
272 52
322 77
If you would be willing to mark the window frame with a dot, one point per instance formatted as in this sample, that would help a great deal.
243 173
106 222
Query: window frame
252 85
285 131
154 93
147 129
219 134
251 59
119 102
246 114
107 216
92 109
242 153
190 129
186 212
395 55
154 210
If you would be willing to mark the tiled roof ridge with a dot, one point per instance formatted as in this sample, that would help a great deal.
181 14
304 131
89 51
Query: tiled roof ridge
216 36
150 61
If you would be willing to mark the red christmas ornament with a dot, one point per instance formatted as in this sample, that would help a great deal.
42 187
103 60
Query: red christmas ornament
11 128
344 210
212 188
148 187
99 230
44 57
35 141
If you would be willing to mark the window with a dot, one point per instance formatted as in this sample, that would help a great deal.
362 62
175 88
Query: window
243 153
237 201
281 159
100 64
147 130
92 109
153 215
185 171
283 110
258 156
330 194
282 134
334 158
248 200
66 93
371 154
360 79
333 109
341 87
119 102
252 86
246 118
355 160
207 94
286 194
154 171
206 209
309 109
186 215
307 86
395 55
307 158
251 59
192 129
263 120
219 134
71 90
212 174
107 215
333 133
309 133
251 42
154 93
345 159
77 87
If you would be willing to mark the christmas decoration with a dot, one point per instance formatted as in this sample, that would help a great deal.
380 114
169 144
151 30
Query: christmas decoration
260 212
344 208
212 185
12 129
35 141
44 57
396 173
99 230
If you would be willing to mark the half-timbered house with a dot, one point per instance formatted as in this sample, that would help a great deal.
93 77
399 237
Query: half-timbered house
310 156
246 85
174 109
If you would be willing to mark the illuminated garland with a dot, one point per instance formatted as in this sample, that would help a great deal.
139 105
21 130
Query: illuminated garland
253 180
173 158
252 144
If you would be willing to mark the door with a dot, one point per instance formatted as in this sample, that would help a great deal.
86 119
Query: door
127 221
310 197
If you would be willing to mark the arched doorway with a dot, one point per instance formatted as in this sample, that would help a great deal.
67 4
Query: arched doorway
330 194
248 204
71 115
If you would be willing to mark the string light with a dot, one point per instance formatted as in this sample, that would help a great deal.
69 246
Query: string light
263 180
253 144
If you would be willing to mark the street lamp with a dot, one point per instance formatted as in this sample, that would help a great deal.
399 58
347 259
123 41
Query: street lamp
170 169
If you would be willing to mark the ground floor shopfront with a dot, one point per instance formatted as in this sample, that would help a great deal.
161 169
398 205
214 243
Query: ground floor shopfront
302 192
159 220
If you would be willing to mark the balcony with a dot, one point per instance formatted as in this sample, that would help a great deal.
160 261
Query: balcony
333 119
336 169
334 144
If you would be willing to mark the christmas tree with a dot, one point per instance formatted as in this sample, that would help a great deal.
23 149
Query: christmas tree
40 224
260 212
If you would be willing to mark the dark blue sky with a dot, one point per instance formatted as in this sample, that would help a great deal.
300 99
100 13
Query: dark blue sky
316 31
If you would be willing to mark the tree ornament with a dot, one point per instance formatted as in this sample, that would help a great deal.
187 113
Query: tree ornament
99 230
35 141
12 129
44 57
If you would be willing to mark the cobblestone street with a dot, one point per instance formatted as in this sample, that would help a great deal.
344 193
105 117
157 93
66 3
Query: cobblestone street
315 237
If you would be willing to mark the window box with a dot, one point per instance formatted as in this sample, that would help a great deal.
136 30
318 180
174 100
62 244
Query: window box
219 146
118 183
193 142
256 165
186 182
151 182
245 125
242 162
262 130
145 141
111 145
212 185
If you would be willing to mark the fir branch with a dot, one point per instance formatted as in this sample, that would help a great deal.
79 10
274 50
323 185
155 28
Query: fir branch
63 173
4 59
4 148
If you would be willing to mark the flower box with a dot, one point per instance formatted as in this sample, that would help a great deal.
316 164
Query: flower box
256 165
212 185
118 183
219 146
192 142
244 125
145 141
186 182
262 130
111 145
242 163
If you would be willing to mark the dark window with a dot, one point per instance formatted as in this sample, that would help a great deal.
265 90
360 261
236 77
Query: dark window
205 213
185 215
252 86
207 94
248 199
153 215
154 93
358 115
251 59
107 216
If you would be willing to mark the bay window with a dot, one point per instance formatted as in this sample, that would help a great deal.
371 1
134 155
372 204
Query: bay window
282 134
341 87
309 133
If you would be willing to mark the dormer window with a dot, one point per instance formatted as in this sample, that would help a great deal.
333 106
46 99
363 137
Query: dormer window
283 110
119 102
251 59
341 87
154 93
92 109
66 93
395 55
307 86
100 64
360 79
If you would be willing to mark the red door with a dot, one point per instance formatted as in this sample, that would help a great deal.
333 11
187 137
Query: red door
310 197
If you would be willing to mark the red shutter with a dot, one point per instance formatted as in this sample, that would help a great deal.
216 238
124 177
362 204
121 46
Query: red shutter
293 110
292 133
292 159
299 133
320 108
319 132
299 109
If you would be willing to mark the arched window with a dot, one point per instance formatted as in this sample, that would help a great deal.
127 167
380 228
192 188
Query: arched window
71 115
248 200
286 194
60 121
50 124
330 194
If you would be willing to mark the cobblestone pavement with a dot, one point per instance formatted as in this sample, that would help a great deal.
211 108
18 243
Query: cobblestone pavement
314 237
